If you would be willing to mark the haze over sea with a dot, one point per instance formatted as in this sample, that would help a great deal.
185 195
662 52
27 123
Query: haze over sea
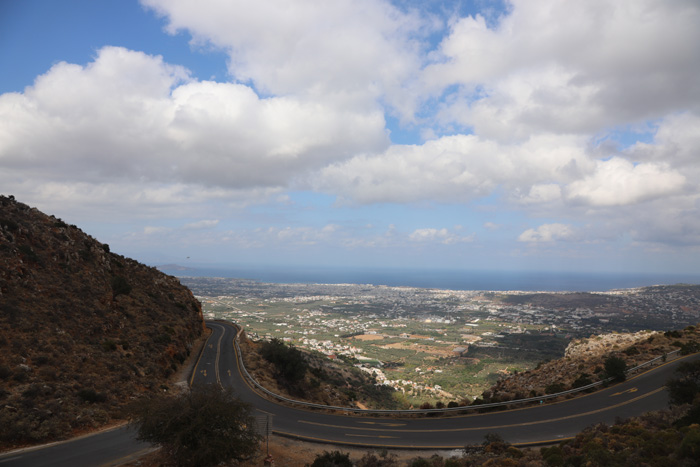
438 278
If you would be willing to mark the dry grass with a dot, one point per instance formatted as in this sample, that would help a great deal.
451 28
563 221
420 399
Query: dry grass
288 452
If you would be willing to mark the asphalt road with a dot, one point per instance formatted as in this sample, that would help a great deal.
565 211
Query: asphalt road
111 447
218 364
532 425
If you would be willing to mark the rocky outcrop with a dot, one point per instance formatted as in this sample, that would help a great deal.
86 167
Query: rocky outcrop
584 362
596 346
82 330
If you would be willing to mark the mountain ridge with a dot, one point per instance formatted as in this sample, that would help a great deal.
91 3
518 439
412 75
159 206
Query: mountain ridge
82 330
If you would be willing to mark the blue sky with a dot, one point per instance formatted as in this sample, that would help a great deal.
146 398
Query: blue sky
523 135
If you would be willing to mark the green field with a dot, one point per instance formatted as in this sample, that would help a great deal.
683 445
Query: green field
416 350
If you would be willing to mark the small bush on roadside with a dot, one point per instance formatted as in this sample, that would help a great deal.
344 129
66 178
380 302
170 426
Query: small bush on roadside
332 459
204 426
615 368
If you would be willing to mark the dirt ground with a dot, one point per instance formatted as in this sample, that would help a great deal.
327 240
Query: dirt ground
369 337
441 351
288 452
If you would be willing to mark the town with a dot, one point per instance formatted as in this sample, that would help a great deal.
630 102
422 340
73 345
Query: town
432 344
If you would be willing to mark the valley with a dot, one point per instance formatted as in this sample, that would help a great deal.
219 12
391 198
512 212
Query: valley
436 346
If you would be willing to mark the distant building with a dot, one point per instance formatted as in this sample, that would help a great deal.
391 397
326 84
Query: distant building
460 351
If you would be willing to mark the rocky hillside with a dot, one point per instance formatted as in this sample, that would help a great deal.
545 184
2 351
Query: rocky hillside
323 381
82 330
584 360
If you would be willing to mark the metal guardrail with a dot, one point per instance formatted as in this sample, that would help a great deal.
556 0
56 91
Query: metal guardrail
444 410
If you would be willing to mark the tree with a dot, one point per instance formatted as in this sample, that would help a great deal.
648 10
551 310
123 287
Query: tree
288 360
684 388
615 368
203 426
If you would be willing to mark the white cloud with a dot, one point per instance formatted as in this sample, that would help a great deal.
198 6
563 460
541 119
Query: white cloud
155 230
203 224
129 118
457 168
443 236
676 141
277 237
350 52
570 66
541 193
548 233
511 108
617 182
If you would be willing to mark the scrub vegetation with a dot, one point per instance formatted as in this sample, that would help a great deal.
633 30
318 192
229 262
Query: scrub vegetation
200 427
82 329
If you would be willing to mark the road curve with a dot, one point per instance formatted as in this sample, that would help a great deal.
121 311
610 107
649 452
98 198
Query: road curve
524 426
218 364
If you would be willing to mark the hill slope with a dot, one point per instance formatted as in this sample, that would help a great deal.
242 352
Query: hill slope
82 330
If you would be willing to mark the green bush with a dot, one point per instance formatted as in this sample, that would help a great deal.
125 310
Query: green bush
108 345
421 462
583 380
5 372
494 443
288 360
204 426
615 368
553 455
162 339
690 446
332 459
689 347
384 459
554 388
120 286
691 417
686 385
92 396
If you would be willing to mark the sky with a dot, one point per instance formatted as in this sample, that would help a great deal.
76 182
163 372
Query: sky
548 135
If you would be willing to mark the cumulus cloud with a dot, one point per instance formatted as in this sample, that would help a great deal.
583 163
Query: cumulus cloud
130 117
203 224
351 52
512 108
540 194
548 233
155 230
676 142
617 182
442 236
289 236
569 66
457 168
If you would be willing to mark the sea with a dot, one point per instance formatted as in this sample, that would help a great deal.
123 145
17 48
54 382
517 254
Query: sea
448 279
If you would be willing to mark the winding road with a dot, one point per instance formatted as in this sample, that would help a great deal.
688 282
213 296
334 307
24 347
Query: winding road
530 425
218 363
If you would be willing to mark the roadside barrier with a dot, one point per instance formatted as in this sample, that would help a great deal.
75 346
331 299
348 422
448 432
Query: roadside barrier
465 408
